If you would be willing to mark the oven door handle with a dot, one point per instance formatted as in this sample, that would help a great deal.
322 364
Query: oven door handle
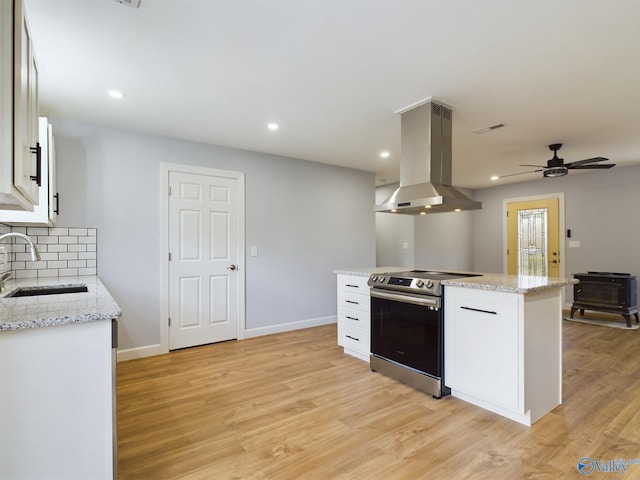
426 300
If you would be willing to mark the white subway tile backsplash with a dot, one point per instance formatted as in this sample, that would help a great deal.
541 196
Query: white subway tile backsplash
64 252
25 274
68 272
70 239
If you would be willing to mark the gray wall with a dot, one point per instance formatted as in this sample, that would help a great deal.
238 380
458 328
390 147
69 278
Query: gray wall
305 218
601 209
441 240
392 231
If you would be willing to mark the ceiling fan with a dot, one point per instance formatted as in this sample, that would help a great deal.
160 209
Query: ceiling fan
557 168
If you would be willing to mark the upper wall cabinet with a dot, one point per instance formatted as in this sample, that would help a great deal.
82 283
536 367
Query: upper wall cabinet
20 153
45 213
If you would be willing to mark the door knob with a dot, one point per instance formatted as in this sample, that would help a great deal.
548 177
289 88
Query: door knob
232 267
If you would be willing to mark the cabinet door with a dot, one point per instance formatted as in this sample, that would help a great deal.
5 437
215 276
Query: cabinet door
483 346
25 108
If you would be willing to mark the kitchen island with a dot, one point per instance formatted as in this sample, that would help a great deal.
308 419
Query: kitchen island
502 339
503 343
56 381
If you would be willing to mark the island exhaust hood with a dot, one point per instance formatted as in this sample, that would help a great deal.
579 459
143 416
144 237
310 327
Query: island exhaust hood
425 165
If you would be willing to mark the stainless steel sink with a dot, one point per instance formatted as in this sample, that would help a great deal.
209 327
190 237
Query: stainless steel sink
47 290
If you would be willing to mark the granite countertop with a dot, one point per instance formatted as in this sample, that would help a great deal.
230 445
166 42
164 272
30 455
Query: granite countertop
365 272
497 282
19 313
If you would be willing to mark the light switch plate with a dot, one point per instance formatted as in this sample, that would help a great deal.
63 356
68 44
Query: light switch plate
254 251
574 243
405 245
3 258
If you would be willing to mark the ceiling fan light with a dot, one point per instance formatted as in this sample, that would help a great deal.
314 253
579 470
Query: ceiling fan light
555 172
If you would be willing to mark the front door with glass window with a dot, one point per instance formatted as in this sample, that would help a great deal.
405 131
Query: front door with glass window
533 237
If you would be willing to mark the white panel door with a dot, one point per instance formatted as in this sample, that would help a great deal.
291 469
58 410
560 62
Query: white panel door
204 248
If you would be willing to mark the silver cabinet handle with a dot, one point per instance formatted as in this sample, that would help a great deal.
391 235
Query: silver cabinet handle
232 267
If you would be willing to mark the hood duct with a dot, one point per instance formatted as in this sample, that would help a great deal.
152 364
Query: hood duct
425 165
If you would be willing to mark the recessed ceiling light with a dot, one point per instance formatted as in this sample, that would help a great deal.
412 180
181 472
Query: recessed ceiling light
495 177
423 213
385 154
273 126
118 95
457 210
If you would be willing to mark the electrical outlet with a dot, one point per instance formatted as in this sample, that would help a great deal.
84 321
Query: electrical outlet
3 258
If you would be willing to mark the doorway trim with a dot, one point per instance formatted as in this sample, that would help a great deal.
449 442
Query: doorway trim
561 227
165 169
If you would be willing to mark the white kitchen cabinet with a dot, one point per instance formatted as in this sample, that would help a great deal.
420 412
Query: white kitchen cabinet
56 402
43 214
19 118
354 315
503 351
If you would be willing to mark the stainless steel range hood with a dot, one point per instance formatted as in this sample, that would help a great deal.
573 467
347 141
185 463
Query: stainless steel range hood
425 166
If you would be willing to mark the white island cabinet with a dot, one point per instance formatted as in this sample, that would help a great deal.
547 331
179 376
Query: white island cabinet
503 344
354 309
354 315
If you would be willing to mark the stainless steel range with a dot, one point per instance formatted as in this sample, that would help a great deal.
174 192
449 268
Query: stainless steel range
407 327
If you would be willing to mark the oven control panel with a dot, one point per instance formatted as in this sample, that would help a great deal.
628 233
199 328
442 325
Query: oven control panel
407 284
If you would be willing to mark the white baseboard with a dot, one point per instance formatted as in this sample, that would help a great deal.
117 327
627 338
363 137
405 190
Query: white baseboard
141 352
157 349
288 327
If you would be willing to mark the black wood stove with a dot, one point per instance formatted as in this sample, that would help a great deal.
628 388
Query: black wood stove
608 292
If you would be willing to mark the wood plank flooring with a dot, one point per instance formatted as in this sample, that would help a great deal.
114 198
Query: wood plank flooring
293 406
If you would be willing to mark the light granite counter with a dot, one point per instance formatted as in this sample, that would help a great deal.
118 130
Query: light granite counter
19 313
365 272
484 281
499 282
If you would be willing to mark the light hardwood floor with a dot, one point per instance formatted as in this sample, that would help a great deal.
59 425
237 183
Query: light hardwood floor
293 406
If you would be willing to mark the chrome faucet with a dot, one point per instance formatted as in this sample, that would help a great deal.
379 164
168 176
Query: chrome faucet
3 278
35 255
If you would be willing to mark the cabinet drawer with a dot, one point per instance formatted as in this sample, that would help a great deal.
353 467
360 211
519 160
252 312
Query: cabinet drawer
354 338
354 301
353 284
356 318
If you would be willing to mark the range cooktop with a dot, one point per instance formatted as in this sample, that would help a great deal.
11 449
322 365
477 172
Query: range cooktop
425 282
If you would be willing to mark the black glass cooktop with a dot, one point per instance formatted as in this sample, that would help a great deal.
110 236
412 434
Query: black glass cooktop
432 275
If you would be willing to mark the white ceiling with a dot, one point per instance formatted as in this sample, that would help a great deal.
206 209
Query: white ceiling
333 72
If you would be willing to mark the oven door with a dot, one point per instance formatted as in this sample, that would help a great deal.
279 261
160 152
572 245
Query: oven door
408 329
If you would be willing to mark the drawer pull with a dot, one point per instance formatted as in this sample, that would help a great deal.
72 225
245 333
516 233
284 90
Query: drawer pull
352 286
352 318
479 310
352 338
351 301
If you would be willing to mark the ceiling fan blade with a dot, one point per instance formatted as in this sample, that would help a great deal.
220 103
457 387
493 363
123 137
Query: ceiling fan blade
535 166
584 162
592 167
521 173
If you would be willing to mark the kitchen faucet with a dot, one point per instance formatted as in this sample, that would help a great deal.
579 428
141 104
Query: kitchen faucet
35 255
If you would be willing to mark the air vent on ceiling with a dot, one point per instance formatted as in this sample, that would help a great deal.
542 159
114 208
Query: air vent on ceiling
131 3
488 129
